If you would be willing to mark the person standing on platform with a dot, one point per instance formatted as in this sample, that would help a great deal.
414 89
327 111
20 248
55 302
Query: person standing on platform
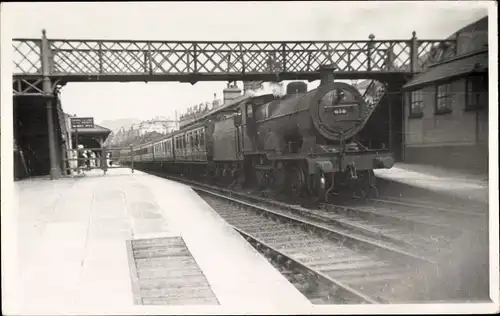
93 159
98 159
72 154
108 159
81 158
89 158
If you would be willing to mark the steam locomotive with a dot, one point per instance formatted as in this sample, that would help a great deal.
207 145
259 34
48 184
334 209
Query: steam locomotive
303 143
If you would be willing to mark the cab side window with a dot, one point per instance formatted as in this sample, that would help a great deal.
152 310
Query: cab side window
249 111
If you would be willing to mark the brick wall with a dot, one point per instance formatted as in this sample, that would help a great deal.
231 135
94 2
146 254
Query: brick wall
463 157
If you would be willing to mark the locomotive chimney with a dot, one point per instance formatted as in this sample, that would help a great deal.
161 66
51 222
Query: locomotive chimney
326 74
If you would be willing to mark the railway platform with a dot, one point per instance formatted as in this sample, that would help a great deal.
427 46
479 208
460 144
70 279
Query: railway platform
135 243
415 182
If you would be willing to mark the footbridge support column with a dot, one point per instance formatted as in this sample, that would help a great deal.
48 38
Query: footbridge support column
55 172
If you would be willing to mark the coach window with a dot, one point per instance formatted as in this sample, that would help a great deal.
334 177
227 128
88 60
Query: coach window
416 103
443 99
202 138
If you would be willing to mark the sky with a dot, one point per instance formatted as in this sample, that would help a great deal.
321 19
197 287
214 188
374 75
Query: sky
227 21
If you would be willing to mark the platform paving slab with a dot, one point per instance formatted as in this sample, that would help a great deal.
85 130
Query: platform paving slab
72 244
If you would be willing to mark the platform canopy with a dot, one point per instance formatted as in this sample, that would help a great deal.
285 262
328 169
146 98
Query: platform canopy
90 137
475 62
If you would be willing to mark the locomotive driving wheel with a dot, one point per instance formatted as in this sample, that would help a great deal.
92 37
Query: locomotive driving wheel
279 177
318 187
367 184
296 180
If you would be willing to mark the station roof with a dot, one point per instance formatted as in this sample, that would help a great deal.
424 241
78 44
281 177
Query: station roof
476 62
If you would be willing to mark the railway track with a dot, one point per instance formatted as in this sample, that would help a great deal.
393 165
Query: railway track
423 231
333 246
341 267
425 228
468 209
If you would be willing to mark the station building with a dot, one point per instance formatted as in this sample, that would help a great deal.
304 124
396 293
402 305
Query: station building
445 108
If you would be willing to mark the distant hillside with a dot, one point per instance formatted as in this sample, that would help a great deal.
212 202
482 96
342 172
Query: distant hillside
115 125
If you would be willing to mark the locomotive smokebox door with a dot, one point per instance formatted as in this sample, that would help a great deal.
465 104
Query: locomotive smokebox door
336 110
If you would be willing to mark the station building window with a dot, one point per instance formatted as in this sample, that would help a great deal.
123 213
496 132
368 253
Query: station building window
443 98
416 103
474 88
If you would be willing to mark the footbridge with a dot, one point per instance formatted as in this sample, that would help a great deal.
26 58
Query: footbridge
65 60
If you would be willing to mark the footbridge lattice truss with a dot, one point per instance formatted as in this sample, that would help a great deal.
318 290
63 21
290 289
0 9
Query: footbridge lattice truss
59 61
